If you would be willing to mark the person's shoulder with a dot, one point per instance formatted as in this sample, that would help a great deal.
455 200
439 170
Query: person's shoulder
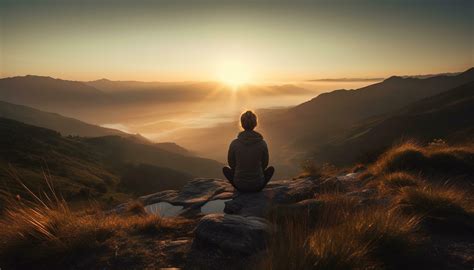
234 142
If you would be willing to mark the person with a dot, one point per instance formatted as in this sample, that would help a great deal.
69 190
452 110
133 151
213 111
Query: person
248 158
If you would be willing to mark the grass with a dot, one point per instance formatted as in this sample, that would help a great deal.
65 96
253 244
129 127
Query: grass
312 169
447 209
409 174
342 236
389 229
35 232
431 160
395 182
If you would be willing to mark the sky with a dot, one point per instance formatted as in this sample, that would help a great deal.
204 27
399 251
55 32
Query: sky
254 41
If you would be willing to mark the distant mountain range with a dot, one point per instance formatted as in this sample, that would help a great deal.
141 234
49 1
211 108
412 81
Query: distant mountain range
326 128
105 101
64 125
326 118
311 129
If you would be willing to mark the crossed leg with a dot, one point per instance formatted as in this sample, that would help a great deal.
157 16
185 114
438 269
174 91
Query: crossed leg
267 173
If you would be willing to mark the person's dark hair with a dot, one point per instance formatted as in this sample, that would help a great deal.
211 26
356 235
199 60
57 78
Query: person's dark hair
248 120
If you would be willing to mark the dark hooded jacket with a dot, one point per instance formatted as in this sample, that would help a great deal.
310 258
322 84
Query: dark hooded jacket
248 156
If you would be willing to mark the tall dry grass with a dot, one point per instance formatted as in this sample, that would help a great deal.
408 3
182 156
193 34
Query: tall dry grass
388 230
341 235
445 208
434 159
45 231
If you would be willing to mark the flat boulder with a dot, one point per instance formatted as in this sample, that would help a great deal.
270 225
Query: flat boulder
195 193
224 241
277 192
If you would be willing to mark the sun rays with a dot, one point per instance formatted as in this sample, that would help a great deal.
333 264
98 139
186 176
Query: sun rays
234 74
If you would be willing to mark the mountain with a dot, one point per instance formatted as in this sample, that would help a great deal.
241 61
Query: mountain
295 133
130 103
316 121
98 167
50 94
448 116
117 150
174 148
64 125
28 151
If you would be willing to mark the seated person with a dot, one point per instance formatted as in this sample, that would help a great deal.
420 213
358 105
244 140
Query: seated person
248 158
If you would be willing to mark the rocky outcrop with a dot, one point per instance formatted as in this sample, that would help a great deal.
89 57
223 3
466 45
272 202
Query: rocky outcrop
237 233
231 240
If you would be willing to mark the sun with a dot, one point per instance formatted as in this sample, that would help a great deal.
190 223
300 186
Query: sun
234 75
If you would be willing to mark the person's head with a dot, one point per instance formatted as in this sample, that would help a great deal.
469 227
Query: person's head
248 120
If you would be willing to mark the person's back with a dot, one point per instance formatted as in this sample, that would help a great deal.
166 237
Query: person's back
248 158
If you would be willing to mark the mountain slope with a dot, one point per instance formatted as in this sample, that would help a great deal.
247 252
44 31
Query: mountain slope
316 121
96 167
27 151
47 93
448 115
294 133
54 121
123 150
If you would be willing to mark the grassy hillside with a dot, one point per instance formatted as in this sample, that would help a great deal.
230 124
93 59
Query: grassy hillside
123 150
448 116
84 168
317 121
28 152
397 214
400 213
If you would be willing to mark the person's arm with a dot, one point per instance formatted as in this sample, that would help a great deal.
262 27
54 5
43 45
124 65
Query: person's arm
231 156
265 156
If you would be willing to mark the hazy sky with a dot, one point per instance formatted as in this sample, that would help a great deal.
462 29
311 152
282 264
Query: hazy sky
268 41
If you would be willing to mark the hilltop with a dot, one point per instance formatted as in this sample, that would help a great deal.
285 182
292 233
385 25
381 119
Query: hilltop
394 213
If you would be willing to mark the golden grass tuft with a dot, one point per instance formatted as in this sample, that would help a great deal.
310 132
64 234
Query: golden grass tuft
447 208
394 182
341 236
412 157
135 207
312 169
36 232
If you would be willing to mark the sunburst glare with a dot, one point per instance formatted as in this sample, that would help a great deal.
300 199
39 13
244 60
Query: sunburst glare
234 75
